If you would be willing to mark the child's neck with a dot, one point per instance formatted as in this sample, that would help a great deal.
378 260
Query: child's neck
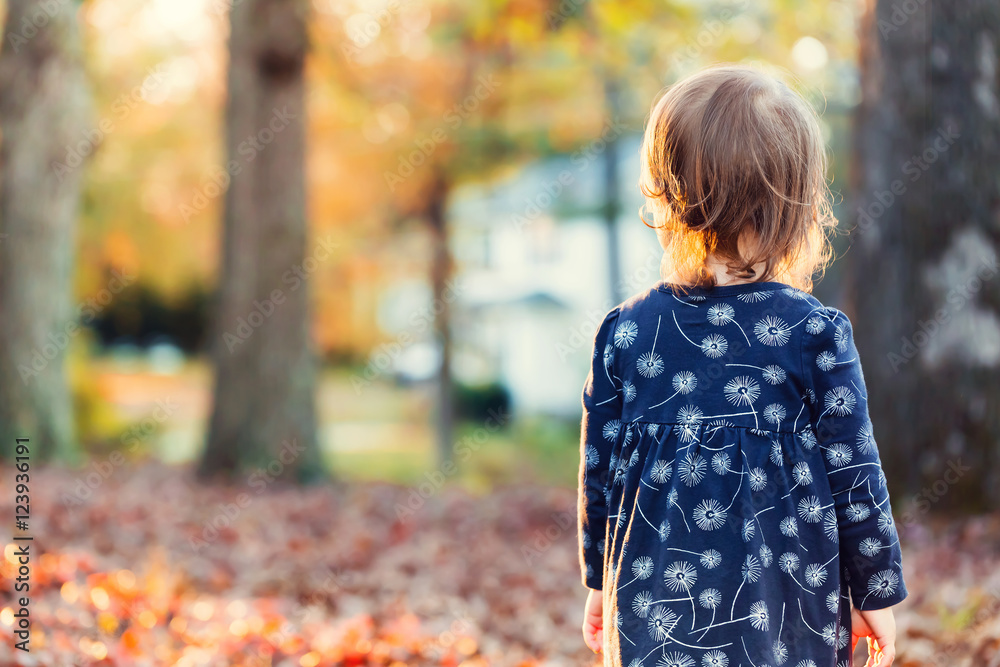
718 267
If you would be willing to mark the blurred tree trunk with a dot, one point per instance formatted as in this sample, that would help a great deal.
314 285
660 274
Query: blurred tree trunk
612 199
441 273
924 283
44 111
264 398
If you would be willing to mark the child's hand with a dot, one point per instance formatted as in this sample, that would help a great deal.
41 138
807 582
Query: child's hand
879 627
593 621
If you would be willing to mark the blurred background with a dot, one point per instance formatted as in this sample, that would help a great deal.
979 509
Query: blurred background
297 300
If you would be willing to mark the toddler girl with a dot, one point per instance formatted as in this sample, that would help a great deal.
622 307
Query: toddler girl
732 505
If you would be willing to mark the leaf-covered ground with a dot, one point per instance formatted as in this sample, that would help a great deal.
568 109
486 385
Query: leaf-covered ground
152 568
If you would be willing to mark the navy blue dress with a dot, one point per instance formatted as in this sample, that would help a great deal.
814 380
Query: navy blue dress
732 503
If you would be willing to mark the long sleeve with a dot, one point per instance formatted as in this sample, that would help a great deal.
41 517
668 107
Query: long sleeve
869 545
602 409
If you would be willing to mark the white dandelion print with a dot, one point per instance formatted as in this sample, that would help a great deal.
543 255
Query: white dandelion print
870 546
715 659
676 659
826 361
710 559
710 598
625 334
759 615
774 374
886 525
815 324
720 463
680 576
641 604
661 471
841 337
692 469
788 562
777 456
839 401
661 622
883 584
663 532
802 474
807 439
774 413
857 512
815 574
689 420
831 526
758 479
721 314
866 440
628 391
772 331
742 390
610 429
754 297
709 514
685 382
714 345
649 365
810 509
839 454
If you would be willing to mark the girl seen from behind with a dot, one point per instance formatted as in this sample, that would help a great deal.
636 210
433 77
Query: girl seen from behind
732 504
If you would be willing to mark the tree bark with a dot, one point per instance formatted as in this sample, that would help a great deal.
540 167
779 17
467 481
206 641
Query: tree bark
924 284
264 397
44 110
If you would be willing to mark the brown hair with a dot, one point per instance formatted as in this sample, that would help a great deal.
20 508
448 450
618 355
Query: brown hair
734 164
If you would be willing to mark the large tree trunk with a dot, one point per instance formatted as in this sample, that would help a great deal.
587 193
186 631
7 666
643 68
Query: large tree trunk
924 285
44 112
264 400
